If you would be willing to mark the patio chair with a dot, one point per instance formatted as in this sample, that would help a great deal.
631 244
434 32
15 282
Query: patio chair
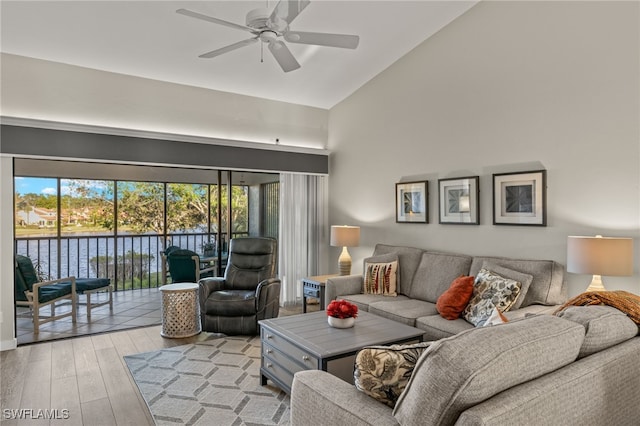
29 291
185 267
248 292
164 254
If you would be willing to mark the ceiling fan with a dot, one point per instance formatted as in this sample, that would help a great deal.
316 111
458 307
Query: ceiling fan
271 27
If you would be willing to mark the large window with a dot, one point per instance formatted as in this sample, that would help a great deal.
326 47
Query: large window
117 229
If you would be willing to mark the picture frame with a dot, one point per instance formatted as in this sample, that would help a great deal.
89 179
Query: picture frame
459 200
412 203
520 198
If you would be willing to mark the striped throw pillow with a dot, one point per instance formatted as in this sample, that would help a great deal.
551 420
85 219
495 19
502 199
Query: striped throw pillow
380 278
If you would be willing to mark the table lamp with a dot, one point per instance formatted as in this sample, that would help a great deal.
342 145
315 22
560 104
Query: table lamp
600 256
345 236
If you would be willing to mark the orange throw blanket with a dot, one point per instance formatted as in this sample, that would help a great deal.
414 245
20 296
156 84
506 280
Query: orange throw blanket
624 301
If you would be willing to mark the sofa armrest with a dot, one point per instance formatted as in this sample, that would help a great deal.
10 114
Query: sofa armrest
331 401
342 286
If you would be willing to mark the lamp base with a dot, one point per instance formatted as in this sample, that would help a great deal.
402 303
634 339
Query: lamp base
344 262
596 284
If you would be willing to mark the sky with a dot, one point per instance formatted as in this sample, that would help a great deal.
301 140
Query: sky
31 185
25 185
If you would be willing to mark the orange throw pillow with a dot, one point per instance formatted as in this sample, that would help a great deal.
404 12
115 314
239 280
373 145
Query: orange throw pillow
452 302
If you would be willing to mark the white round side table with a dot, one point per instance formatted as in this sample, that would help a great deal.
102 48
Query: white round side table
180 310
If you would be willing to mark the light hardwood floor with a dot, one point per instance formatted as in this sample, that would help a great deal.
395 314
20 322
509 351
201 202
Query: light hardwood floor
85 375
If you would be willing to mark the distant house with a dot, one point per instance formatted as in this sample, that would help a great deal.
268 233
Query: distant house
41 217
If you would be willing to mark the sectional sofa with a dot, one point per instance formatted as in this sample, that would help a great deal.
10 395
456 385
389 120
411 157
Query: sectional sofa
423 275
580 366
579 369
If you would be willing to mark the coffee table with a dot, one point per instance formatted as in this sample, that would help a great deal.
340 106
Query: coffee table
307 342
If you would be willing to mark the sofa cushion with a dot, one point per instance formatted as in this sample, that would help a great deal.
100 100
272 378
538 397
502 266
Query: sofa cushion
404 310
364 300
547 287
380 274
490 291
435 327
435 274
452 302
605 326
408 260
382 372
523 279
454 378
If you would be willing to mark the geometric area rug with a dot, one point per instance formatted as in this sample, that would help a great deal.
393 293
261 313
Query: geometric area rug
212 382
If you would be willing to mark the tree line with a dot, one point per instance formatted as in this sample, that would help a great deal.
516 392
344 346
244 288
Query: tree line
140 205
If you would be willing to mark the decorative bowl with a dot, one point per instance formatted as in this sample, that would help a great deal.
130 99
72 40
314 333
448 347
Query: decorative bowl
341 322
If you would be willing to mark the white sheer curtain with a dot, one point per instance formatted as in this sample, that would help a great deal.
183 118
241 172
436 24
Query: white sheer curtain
303 232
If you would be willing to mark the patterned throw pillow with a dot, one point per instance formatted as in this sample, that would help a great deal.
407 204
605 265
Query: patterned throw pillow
380 278
525 280
382 372
490 291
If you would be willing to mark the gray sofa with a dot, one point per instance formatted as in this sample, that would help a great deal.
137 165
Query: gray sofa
424 275
579 369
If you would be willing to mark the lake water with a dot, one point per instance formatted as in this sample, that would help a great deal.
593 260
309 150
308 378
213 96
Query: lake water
77 252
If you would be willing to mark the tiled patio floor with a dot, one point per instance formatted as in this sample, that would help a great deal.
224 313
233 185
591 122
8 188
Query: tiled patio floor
131 308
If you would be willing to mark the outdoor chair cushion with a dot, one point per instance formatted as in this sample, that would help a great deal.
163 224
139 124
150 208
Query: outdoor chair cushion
28 273
182 266
87 284
53 291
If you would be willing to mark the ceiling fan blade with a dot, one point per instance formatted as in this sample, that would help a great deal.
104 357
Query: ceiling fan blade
286 10
283 56
323 39
229 48
197 15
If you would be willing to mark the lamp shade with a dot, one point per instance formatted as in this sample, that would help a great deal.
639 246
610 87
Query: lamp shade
600 256
345 236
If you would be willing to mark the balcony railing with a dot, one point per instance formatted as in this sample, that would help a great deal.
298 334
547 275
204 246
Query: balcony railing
131 261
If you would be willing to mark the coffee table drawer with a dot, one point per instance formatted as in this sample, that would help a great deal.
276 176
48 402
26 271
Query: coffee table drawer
277 373
305 359
284 360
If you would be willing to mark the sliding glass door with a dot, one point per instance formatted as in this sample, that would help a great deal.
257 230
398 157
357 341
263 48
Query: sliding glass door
118 228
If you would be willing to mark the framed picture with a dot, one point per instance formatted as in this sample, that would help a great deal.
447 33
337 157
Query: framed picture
411 202
459 200
520 198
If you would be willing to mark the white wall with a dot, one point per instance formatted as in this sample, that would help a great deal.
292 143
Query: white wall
509 86
7 336
44 90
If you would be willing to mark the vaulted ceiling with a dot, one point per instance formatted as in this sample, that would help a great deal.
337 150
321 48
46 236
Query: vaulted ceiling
149 39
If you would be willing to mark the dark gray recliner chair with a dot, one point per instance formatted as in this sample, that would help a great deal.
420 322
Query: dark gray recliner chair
248 292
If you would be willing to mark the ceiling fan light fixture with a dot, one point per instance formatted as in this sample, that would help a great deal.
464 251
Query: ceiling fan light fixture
268 36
